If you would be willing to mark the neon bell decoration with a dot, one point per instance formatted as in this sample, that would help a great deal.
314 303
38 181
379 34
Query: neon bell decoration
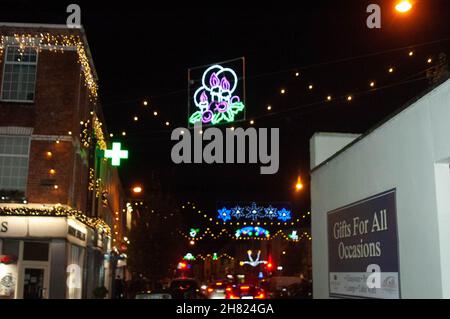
215 99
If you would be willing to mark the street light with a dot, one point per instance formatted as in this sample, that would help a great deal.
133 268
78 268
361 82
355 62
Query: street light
299 184
137 189
403 6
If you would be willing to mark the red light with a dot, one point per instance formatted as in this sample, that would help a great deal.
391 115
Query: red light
183 265
210 290
269 266
245 287
228 289
260 296
233 297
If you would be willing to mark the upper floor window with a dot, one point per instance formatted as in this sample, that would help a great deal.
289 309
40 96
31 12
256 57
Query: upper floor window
19 74
14 152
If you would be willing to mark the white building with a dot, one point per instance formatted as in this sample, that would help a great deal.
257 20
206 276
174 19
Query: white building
384 199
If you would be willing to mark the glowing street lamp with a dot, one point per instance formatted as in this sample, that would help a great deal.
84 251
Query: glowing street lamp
403 6
137 189
299 184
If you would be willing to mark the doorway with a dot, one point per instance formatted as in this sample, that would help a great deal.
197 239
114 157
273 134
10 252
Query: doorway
34 282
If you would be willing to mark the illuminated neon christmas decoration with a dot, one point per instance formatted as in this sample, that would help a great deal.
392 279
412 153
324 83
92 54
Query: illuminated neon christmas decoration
189 257
116 154
254 212
214 99
293 235
284 215
215 257
193 232
251 231
224 214
253 262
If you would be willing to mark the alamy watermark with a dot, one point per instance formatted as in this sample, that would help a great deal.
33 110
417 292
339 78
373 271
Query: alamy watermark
230 149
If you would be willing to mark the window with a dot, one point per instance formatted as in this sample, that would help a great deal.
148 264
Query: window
35 251
14 162
19 74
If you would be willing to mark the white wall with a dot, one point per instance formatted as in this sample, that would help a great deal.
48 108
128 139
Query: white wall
401 154
324 144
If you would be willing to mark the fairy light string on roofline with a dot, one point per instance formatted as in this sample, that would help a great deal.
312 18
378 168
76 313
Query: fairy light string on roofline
56 43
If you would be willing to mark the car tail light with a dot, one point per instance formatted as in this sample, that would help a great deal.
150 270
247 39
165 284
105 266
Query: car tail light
210 290
261 295
245 287
228 289
231 296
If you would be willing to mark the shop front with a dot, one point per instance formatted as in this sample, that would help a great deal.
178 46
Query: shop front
43 257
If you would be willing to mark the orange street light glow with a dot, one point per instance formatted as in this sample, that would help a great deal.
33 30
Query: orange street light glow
403 6
298 185
137 189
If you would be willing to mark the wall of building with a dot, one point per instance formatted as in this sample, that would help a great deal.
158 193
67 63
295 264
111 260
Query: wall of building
410 152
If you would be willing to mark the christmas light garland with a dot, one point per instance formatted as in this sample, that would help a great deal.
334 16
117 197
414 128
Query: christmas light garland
56 43
57 211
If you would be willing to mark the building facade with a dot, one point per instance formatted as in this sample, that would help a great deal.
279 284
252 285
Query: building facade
381 206
61 202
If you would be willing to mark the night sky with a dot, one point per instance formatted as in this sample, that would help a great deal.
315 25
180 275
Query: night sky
143 52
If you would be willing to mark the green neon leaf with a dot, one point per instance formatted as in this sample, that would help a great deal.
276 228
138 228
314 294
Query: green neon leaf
228 116
217 118
236 107
195 117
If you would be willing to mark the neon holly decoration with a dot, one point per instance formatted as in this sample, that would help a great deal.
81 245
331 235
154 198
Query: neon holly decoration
116 154
215 257
214 99
193 232
251 231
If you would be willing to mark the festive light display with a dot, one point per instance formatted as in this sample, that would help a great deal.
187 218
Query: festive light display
189 257
193 232
254 213
214 256
252 231
253 262
98 133
116 154
57 211
293 235
214 99
56 43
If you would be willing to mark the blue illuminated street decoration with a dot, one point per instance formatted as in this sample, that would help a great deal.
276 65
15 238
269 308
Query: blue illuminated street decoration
284 215
254 212
251 231
224 214
271 212
237 212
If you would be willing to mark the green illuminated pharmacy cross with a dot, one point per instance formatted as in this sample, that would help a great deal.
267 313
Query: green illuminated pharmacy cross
116 154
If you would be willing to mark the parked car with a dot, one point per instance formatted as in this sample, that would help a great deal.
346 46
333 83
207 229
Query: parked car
216 290
185 288
246 291
156 294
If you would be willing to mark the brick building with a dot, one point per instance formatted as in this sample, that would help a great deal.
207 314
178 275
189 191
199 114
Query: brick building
61 201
